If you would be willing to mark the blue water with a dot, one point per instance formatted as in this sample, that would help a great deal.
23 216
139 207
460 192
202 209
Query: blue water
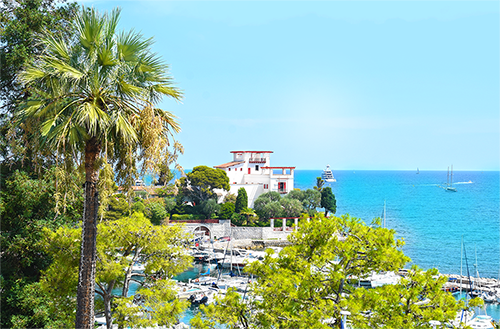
431 220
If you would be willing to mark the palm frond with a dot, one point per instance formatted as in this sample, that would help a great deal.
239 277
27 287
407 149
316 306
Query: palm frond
168 90
63 68
56 46
98 87
92 117
48 125
131 45
106 57
31 74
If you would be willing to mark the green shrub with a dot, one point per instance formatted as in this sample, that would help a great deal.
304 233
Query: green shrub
226 210
182 217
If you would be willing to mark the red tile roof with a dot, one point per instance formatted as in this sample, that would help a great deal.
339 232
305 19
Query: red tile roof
252 152
229 164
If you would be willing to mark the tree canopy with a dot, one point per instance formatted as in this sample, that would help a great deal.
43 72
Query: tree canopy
310 199
328 200
120 244
200 183
94 98
27 206
314 279
241 200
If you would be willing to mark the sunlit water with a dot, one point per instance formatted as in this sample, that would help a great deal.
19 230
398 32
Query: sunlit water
431 221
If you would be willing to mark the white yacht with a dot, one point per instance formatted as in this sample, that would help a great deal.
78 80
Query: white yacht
327 175
481 322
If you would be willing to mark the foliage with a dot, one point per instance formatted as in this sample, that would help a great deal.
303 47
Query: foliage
22 23
267 209
250 216
182 216
226 210
311 282
27 205
238 219
117 207
120 244
291 207
169 204
319 184
199 184
230 197
169 190
328 201
138 206
310 199
417 298
92 99
155 210
209 208
267 205
241 200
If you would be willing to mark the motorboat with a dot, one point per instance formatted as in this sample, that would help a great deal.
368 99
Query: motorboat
481 322
379 279
327 175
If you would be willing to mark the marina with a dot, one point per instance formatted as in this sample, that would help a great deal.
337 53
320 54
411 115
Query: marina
412 201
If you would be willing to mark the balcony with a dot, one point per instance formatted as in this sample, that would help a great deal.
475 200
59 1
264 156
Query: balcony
257 160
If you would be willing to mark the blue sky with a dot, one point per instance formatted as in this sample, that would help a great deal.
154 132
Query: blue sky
383 85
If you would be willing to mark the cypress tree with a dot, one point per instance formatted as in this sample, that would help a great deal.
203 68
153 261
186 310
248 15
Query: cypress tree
328 201
241 200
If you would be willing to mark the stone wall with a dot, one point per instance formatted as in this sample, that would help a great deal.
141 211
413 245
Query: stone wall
259 233
224 229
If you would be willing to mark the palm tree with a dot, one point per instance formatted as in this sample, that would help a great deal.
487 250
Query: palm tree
248 213
95 97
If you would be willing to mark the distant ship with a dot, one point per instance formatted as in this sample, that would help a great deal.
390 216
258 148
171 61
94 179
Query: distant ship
449 181
327 175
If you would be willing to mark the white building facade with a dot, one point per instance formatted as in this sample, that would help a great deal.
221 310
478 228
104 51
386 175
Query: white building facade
252 170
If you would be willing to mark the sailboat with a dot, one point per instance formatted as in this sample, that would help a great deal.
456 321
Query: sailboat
449 181
418 172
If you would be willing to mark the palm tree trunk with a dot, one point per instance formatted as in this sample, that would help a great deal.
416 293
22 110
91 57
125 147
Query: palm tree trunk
86 277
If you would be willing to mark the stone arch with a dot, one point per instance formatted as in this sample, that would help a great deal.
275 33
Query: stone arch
202 229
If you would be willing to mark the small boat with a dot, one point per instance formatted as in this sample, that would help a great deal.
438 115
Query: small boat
327 175
481 322
418 172
379 279
463 318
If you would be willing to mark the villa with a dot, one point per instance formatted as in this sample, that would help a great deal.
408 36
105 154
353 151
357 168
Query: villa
252 170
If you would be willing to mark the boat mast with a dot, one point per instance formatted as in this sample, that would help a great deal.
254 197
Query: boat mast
384 215
461 261
451 176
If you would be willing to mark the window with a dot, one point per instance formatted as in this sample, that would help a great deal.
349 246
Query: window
256 167
241 169
228 169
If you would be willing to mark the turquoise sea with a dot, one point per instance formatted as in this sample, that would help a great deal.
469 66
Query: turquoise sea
431 221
